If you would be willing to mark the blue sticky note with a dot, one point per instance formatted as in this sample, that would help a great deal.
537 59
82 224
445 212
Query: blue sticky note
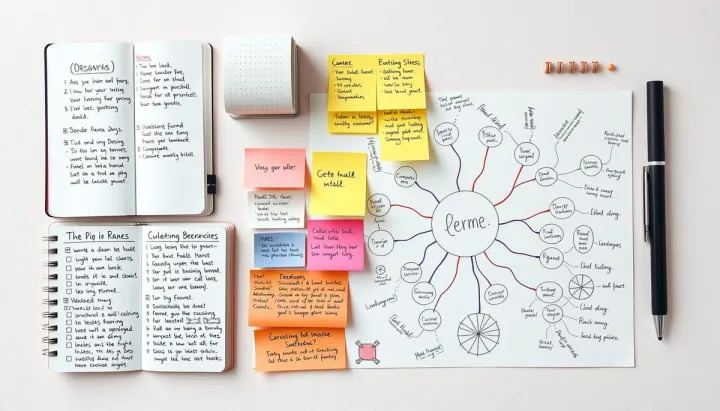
276 250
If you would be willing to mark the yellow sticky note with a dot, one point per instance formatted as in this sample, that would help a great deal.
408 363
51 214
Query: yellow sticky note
352 83
338 184
352 122
401 81
403 135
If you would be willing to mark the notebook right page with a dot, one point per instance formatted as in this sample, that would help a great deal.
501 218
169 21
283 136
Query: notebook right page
184 294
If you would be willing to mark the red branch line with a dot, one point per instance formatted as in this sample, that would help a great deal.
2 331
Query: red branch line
457 267
487 150
535 215
410 208
513 187
507 268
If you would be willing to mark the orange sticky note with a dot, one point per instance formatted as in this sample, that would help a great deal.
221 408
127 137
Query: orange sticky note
298 298
295 349
275 167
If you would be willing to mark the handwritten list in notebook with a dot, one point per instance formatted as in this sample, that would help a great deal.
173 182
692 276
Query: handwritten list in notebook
153 297
129 129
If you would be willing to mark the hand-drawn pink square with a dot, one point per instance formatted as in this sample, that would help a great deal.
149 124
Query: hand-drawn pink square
336 245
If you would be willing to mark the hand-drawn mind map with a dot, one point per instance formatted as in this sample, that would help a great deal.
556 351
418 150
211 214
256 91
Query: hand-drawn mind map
511 246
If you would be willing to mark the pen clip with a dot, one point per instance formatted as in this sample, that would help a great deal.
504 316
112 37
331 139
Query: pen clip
646 205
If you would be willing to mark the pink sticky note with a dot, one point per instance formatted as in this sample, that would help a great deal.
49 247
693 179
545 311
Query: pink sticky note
335 245
275 167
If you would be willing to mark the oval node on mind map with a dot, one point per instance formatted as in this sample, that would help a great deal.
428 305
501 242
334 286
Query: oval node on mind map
446 134
405 176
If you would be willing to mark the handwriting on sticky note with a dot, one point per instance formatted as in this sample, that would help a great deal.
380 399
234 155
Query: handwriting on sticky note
352 122
403 135
274 168
401 81
294 349
338 185
294 298
352 83
279 250
336 245
276 209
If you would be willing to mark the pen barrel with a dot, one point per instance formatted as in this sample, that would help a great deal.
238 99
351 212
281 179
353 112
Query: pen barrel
658 262
656 121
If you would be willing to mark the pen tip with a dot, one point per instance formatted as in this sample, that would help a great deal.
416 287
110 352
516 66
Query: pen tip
659 338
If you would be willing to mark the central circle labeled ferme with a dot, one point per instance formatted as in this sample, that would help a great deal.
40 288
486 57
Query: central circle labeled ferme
465 223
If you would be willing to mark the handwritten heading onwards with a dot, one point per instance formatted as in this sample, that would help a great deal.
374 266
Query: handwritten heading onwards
336 245
276 209
275 167
279 250
294 298
401 82
295 349
403 135
338 185
352 122
352 83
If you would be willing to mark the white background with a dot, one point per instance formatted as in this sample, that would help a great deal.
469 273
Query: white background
474 45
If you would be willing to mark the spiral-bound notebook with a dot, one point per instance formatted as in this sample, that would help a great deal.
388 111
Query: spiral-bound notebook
128 297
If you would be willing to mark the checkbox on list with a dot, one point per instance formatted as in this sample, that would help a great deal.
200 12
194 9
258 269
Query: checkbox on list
68 291
68 345
67 249
68 322
68 359
68 268
68 283
68 259
68 315
68 337
68 276
68 330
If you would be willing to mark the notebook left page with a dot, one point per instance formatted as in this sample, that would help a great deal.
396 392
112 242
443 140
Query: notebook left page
98 311
90 130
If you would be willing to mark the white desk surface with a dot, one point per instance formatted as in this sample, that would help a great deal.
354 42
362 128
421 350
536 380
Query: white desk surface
471 45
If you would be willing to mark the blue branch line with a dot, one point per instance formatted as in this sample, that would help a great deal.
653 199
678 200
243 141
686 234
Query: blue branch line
408 239
425 252
522 221
425 189
515 252
457 179
477 280
438 266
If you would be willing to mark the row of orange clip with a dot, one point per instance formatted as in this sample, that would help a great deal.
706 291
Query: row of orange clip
583 67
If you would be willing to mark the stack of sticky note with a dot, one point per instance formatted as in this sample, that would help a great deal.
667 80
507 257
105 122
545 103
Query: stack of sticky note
277 202
383 94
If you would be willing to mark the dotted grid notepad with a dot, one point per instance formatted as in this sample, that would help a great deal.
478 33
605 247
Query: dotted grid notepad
259 77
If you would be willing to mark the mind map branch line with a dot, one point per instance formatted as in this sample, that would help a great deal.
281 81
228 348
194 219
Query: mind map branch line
425 189
527 218
436 268
487 150
457 179
410 208
521 221
480 271
457 268
408 239
425 252
477 280
509 269
512 189
516 252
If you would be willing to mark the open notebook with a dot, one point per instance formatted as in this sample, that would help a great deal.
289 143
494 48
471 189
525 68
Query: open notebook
129 129
127 297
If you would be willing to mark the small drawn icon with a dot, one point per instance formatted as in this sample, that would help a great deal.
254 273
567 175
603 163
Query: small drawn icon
367 352
380 270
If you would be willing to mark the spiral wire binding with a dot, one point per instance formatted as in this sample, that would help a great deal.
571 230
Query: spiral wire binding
50 302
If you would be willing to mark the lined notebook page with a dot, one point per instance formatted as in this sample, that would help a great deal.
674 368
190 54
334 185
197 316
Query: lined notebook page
184 293
91 166
170 133
99 314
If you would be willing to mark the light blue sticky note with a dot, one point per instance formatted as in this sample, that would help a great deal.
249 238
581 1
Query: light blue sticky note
276 250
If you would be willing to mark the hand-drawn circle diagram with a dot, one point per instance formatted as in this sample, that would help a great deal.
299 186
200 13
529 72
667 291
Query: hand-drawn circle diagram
478 334
465 223
581 287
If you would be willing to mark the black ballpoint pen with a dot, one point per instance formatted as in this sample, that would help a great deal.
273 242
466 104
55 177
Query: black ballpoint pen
654 204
